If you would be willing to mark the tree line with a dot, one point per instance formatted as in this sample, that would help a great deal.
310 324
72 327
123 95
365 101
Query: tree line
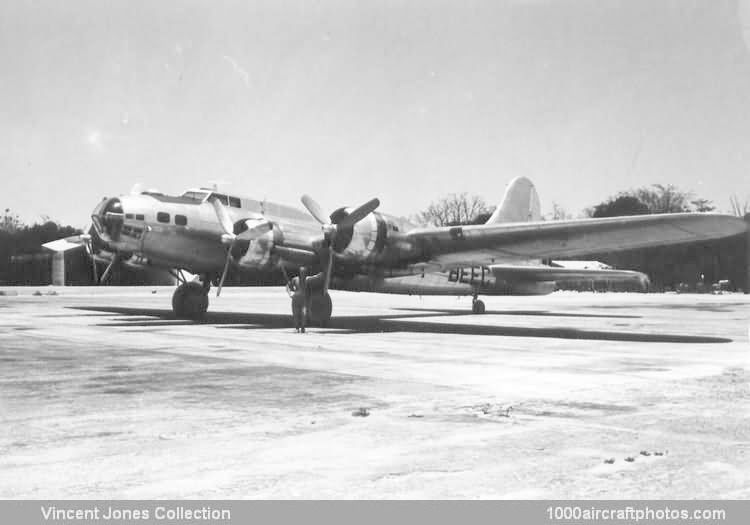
18 238
462 208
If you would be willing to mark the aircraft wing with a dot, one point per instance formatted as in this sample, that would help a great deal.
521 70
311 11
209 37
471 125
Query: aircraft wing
492 244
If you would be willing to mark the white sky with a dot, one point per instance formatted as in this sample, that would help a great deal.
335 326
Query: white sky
347 100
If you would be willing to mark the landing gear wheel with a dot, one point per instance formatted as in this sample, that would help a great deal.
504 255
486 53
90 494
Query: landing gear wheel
190 301
477 306
320 309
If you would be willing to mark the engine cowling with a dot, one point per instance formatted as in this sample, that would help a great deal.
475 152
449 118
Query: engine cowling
107 219
361 241
256 254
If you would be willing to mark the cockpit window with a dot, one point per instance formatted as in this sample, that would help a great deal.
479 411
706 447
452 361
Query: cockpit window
195 195
234 202
221 198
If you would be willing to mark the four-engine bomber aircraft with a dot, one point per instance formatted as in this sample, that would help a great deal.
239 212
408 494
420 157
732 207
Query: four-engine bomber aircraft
205 231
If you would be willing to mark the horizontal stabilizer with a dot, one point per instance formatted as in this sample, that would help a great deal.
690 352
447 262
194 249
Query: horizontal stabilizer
550 273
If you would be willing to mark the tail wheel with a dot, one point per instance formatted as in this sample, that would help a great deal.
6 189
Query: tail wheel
477 306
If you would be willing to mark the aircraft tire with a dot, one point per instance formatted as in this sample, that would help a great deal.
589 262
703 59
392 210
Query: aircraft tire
190 301
320 309
477 307
177 297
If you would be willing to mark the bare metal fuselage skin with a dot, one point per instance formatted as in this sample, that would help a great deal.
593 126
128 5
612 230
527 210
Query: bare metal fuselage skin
179 232
153 228
184 233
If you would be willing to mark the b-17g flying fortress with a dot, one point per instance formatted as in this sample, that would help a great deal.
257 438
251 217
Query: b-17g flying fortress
461 360
204 231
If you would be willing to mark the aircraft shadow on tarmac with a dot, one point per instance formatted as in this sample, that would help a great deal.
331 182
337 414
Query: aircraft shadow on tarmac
544 313
399 322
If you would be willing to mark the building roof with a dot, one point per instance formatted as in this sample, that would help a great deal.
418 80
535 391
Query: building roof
62 245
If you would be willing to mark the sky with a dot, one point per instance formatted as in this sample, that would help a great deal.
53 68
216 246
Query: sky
346 100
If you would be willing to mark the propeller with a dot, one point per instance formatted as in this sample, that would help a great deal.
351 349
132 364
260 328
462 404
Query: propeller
86 239
347 221
229 238
112 263
89 246
335 226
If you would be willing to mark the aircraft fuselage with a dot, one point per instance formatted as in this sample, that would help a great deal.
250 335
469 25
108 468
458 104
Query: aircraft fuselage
183 232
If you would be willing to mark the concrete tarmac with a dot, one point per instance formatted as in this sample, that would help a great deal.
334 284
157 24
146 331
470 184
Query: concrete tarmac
103 394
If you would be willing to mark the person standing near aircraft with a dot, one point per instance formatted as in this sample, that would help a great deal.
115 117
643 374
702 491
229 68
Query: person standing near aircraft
301 288
299 300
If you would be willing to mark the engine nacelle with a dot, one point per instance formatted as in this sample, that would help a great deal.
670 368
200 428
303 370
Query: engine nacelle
365 239
107 219
258 253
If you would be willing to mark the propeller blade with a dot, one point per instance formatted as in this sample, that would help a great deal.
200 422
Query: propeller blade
111 264
315 209
95 269
329 266
253 232
89 246
224 273
359 213
223 215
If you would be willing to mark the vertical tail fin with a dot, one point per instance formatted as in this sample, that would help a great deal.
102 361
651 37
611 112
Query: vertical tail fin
520 203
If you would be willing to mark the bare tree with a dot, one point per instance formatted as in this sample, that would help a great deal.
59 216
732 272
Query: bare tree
558 213
10 222
455 209
663 199
739 209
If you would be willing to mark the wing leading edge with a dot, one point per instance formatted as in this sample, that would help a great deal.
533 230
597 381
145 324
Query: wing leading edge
486 244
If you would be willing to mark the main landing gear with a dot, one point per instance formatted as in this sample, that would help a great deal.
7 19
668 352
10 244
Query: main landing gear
313 291
190 299
319 311
477 305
